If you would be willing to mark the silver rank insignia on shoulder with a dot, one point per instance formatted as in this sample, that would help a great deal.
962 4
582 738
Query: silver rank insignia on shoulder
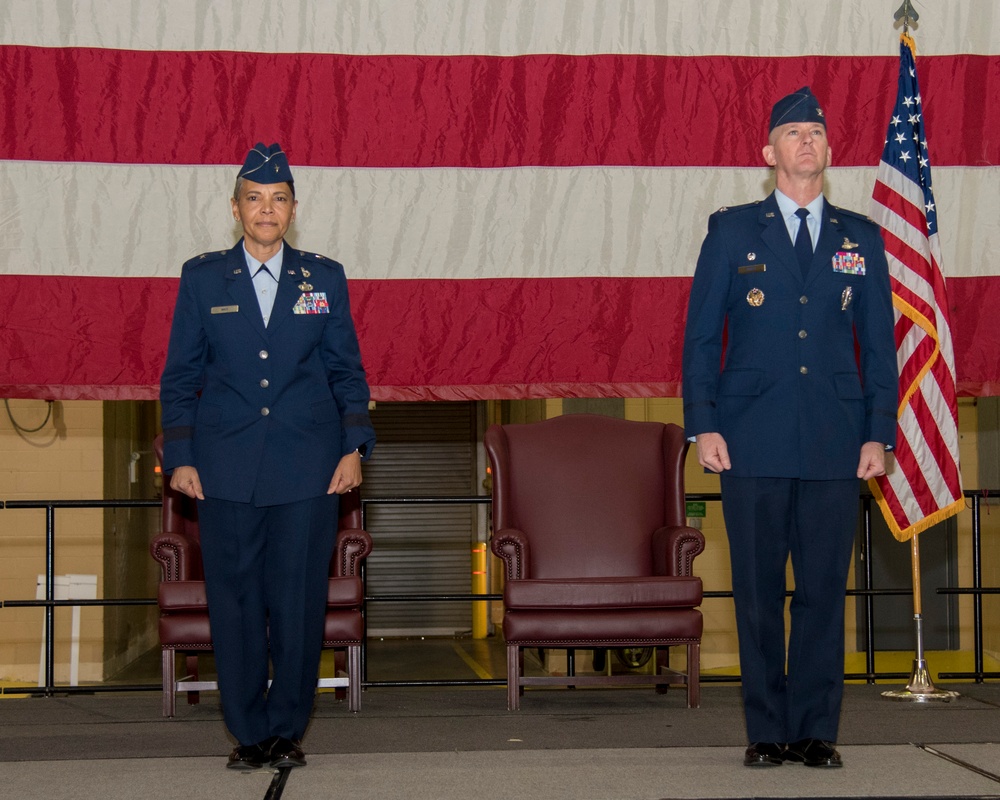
848 244
755 297
845 298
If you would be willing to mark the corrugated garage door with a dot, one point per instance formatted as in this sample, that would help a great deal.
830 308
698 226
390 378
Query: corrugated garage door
423 449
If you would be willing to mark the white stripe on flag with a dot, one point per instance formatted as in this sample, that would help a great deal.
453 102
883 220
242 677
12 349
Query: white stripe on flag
490 27
145 221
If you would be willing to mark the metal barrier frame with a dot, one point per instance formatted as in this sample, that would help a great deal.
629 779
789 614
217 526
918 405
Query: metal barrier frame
868 592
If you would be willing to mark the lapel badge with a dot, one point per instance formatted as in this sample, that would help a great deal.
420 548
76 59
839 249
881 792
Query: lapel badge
305 273
305 287
291 271
755 297
848 244
237 271
751 256
845 298
769 215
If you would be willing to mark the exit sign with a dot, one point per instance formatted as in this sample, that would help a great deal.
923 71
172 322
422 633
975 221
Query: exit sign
695 508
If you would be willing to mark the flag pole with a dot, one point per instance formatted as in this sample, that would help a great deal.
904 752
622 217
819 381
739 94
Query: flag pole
921 688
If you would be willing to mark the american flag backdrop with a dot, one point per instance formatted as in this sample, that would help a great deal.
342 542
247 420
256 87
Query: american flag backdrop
517 188
925 486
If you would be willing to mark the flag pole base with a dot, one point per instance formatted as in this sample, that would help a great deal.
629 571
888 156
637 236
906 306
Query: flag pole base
921 688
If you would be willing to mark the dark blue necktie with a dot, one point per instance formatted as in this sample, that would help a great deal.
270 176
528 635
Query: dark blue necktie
803 242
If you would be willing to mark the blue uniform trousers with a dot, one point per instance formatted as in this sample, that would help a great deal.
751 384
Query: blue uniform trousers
266 576
768 519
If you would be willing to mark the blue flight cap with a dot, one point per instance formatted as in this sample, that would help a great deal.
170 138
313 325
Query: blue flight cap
799 106
266 165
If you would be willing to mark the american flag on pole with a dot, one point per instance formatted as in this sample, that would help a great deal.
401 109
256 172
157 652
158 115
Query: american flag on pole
925 485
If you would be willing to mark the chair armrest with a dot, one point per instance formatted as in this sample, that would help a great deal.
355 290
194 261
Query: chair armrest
353 546
674 550
511 545
179 557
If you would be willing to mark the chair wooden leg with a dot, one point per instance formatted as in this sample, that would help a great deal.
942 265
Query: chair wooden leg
354 677
168 674
694 675
513 677
340 665
191 663
662 665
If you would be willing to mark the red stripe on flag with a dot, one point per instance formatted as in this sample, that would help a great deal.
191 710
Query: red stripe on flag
903 208
166 107
917 489
106 338
71 338
932 439
910 370
890 501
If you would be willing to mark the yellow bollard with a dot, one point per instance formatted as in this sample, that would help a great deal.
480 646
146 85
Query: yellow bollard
479 607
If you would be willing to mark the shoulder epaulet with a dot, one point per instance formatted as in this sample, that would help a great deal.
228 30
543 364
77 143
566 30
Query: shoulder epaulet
316 259
743 207
206 258
846 212
313 256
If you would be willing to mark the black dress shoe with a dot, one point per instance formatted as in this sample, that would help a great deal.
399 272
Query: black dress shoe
764 754
286 754
813 753
248 756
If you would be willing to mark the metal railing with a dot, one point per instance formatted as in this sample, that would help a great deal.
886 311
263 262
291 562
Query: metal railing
868 594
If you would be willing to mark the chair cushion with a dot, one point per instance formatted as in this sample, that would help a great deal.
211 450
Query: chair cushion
186 630
343 627
344 592
180 596
176 597
603 593
602 628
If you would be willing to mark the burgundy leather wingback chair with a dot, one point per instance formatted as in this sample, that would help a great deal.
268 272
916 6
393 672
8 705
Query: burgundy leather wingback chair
184 609
589 519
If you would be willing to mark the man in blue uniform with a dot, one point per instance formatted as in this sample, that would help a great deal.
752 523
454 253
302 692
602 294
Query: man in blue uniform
784 288
265 422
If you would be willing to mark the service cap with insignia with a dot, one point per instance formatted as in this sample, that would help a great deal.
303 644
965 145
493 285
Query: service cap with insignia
799 106
266 165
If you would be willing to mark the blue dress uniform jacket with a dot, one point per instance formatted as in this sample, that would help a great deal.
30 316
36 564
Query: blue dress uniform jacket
263 413
789 399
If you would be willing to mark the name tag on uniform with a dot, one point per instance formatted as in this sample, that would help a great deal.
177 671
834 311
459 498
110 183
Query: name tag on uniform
225 309
751 268
312 303
848 263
